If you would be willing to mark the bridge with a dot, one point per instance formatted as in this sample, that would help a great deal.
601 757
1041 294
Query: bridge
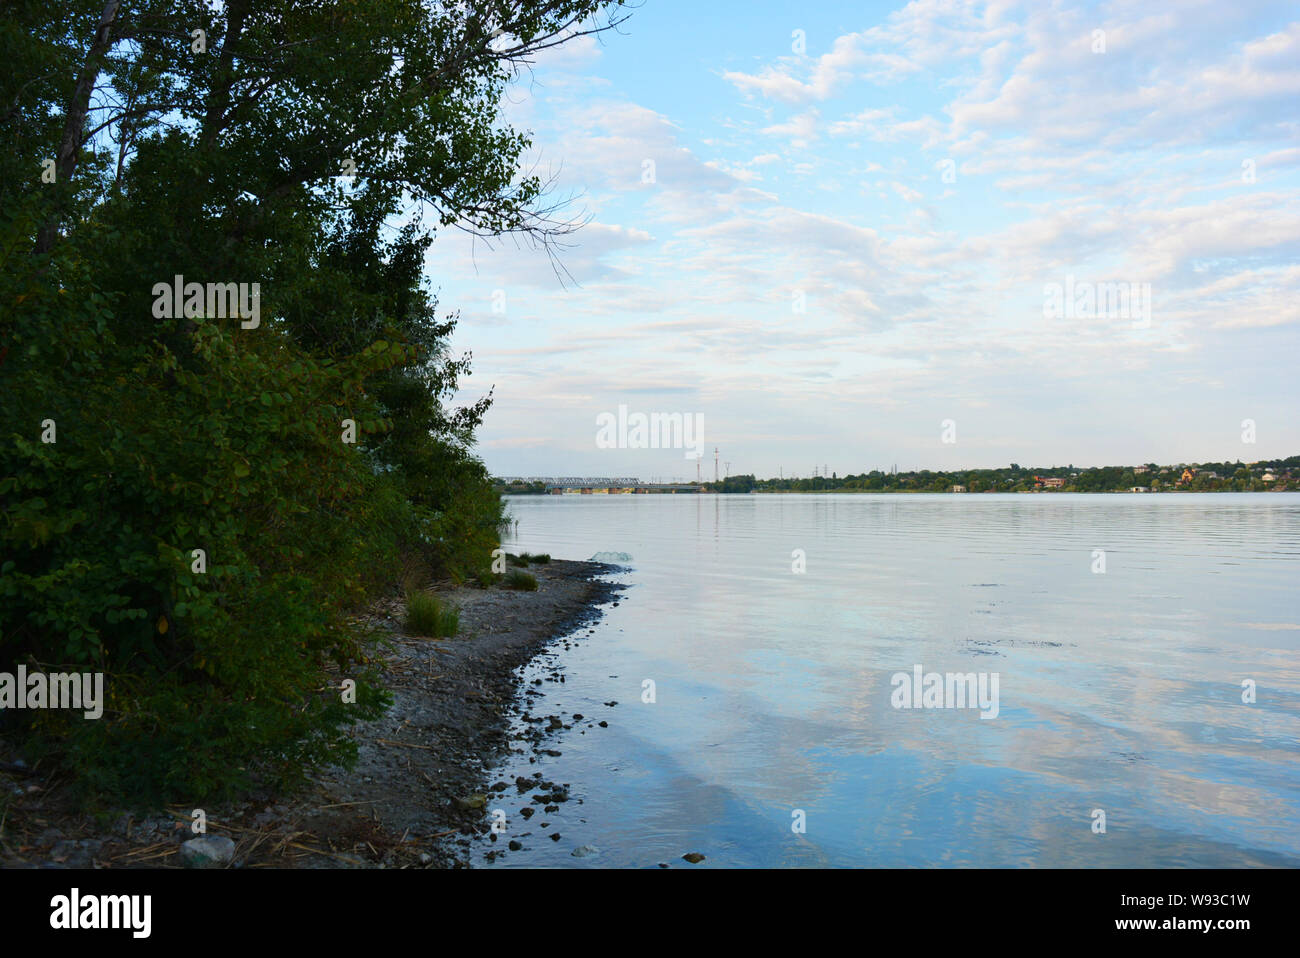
602 485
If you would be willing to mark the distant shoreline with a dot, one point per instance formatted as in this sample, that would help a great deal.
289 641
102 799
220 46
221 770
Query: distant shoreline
925 492
1268 475
1004 492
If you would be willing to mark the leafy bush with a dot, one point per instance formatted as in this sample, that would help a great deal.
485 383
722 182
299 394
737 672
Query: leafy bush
201 547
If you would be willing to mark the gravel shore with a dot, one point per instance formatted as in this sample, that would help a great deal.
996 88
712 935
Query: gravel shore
420 789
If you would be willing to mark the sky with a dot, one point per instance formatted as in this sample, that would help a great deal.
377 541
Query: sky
833 234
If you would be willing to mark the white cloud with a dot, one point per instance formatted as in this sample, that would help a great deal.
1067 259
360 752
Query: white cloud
825 75
801 128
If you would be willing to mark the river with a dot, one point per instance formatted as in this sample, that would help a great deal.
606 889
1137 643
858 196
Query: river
1128 635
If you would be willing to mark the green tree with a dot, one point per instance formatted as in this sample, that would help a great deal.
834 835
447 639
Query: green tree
202 529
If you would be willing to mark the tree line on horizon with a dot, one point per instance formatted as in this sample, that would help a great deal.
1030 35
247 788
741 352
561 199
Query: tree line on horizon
1206 477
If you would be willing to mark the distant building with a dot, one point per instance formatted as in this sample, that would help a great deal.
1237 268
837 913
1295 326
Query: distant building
1138 470
1052 482
1139 489
957 489
1268 476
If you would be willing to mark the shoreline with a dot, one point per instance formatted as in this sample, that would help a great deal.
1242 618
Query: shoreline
419 791
926 492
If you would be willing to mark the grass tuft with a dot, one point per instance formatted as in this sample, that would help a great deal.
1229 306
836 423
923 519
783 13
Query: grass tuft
517 579
526 558
426 615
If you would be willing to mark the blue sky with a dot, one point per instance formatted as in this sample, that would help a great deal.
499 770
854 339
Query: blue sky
919 175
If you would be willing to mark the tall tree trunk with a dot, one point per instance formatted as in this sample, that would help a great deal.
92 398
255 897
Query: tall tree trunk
219 99
75 121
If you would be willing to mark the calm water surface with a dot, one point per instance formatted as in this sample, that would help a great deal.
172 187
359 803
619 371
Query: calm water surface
1119 691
